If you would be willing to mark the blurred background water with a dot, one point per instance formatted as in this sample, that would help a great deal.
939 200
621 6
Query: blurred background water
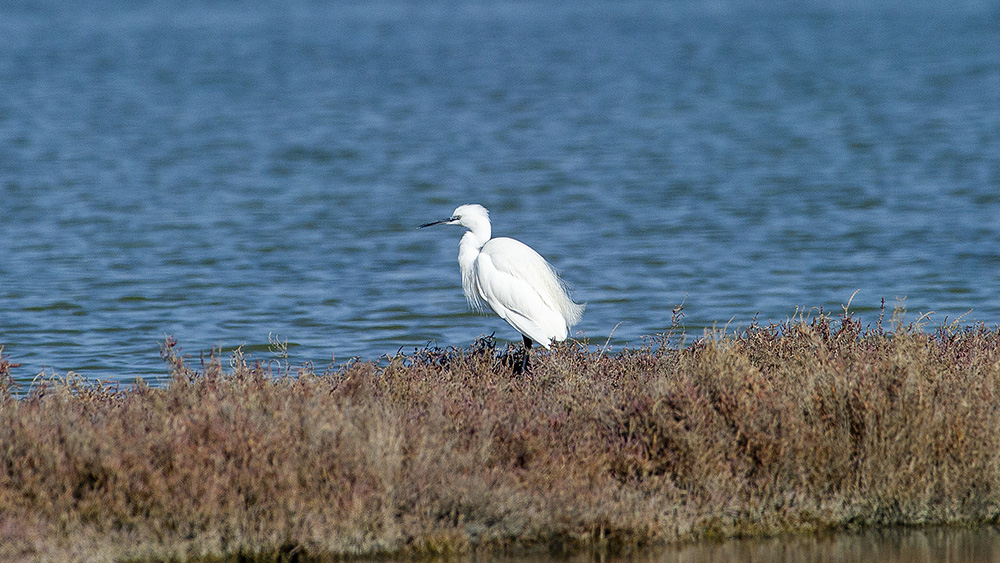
225 171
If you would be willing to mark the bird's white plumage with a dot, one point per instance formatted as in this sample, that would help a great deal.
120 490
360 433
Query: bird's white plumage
513 280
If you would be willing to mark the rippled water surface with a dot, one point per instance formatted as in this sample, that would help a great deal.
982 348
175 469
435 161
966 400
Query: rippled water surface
228 171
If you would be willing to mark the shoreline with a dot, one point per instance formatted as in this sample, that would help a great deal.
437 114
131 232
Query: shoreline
815 424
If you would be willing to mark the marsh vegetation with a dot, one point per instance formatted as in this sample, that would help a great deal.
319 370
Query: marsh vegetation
819 423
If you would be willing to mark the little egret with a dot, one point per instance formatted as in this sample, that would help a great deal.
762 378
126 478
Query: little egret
513 280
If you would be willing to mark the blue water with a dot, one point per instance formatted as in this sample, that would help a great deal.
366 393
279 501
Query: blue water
225 172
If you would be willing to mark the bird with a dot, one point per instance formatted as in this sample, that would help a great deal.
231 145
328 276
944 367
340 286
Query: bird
513 280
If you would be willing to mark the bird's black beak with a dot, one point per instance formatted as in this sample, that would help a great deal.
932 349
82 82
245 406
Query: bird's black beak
441 222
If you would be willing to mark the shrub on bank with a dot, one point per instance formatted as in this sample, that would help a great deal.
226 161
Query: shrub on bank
811 424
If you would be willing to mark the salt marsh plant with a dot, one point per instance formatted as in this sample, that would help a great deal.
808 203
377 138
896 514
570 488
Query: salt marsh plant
816 423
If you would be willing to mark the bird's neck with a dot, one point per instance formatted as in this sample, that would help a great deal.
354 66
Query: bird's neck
472 243
479 232
468 250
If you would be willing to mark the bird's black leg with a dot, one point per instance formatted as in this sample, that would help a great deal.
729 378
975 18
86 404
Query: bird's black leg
527 348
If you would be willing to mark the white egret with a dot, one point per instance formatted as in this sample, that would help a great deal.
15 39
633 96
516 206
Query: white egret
513 280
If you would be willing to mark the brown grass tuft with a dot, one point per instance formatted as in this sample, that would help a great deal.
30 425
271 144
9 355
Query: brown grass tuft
812 424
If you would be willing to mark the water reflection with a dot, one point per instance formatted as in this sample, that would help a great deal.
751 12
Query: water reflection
896 545
939 545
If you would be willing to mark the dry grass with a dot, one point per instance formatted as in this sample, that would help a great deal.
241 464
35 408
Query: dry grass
817 423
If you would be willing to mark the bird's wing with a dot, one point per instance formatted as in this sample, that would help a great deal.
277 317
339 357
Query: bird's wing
513 300
521 261
514 280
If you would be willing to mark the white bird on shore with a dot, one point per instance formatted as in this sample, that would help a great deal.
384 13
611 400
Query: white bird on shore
513 280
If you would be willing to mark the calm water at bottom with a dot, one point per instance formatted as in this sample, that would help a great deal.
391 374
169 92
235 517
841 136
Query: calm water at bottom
897 545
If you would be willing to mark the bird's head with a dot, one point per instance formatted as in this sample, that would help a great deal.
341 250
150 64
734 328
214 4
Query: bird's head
471 216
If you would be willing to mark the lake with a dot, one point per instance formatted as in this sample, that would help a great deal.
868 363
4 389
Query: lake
234 172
